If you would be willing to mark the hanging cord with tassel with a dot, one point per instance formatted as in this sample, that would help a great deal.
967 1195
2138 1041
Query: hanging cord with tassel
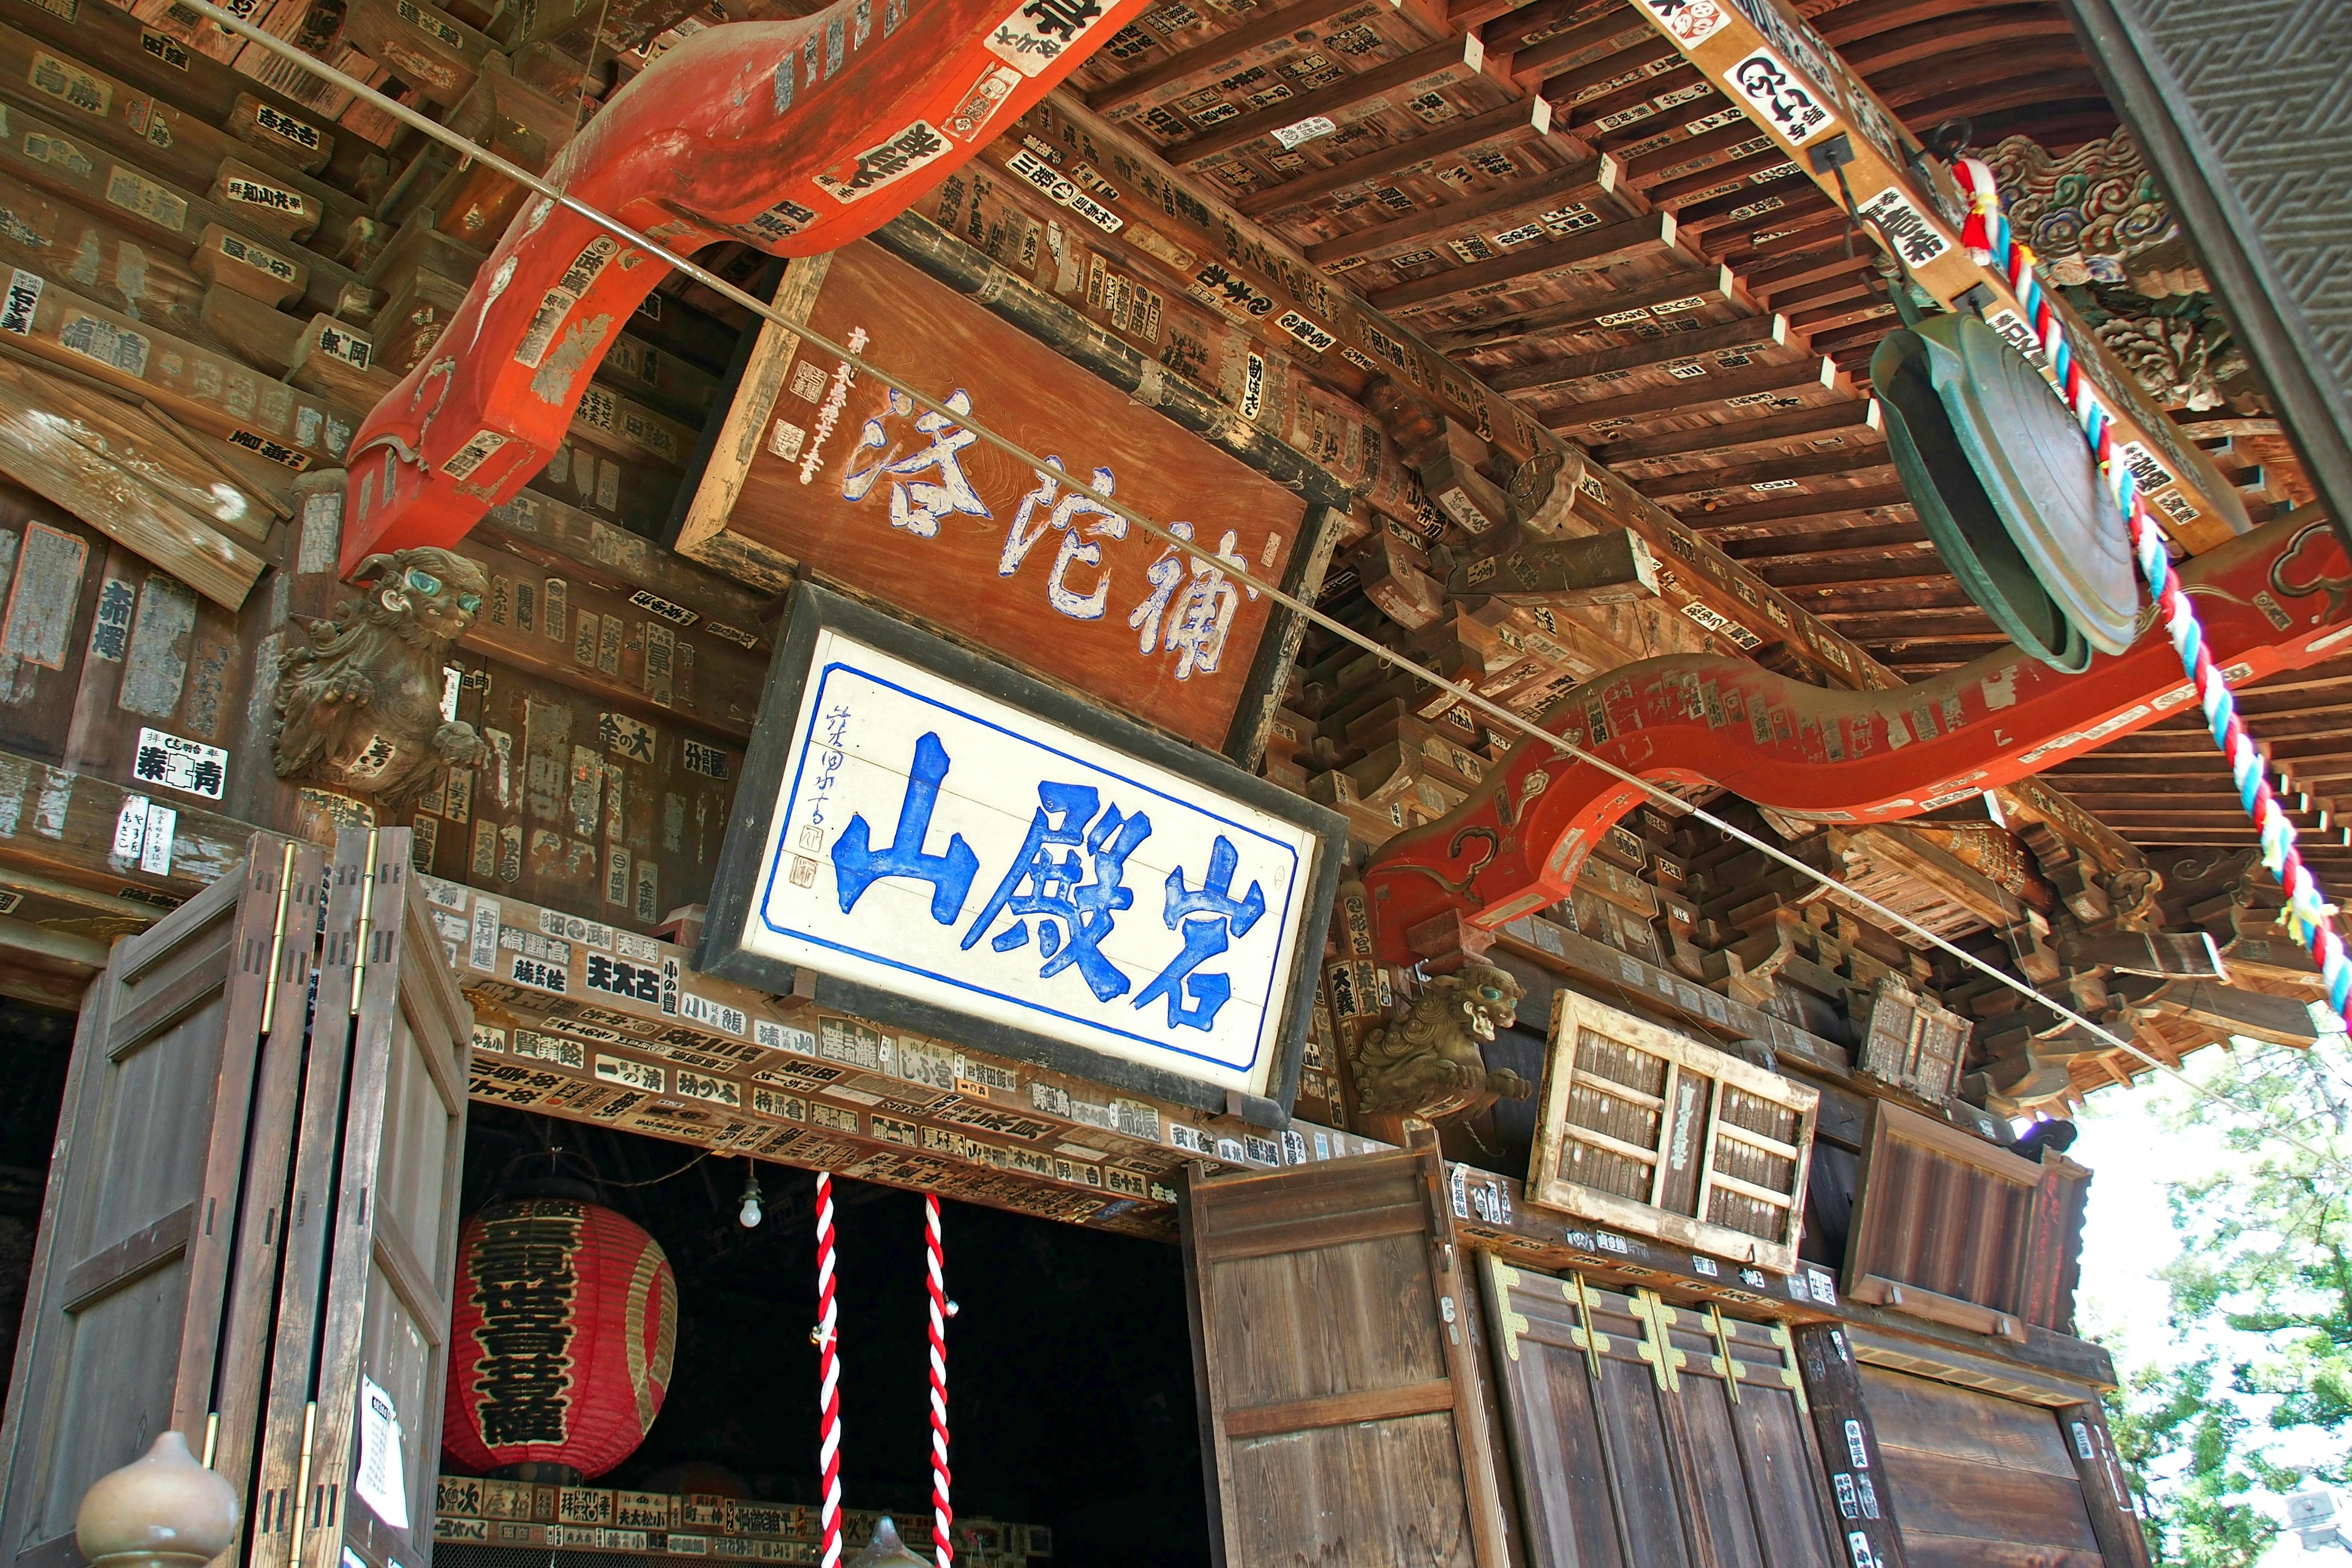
1987 235
942 1519
828 1356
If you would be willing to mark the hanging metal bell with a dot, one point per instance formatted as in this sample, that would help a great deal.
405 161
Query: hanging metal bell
2007 489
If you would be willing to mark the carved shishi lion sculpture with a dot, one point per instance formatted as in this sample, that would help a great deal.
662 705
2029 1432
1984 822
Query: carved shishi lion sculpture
1430 1063
359 707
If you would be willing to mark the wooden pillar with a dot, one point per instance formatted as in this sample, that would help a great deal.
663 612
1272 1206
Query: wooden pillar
2105 1493
1849 1452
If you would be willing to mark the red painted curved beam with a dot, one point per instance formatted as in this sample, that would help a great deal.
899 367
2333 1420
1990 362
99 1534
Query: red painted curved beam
2273 600
795 136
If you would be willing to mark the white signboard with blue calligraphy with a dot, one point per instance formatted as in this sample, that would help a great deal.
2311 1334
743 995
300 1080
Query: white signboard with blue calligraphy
946 840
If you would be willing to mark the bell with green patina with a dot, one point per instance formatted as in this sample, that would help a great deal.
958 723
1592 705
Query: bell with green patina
2007 489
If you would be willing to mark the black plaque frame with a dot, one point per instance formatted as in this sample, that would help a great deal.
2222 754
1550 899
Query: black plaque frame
735 890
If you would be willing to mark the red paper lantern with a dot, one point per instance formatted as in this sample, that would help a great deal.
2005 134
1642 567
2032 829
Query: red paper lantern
561 1341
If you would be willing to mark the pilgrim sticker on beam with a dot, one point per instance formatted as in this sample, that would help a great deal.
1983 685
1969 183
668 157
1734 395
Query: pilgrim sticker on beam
954 848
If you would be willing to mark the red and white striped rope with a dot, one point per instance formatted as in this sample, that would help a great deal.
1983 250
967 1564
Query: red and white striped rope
942 1518
2308 915
828 1356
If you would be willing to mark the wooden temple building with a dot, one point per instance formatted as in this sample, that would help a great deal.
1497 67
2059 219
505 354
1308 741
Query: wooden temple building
502 738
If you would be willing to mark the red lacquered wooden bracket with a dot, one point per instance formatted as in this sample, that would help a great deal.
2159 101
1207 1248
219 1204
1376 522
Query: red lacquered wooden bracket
797 137
2275 599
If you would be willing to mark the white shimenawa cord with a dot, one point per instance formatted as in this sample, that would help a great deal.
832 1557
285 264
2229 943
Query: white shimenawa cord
1503 716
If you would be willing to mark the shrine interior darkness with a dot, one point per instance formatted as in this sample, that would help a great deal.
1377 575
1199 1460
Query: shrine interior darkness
1069 1363
34 1043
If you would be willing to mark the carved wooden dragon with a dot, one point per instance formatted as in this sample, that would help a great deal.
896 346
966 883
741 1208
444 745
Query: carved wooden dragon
796 137
2272 600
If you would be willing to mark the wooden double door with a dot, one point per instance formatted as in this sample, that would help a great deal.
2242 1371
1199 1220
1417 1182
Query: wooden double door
252 1214
1372 1394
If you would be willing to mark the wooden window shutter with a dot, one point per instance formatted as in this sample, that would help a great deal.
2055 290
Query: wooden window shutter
1648 1131
1949 1228
1913 1043
1337 1347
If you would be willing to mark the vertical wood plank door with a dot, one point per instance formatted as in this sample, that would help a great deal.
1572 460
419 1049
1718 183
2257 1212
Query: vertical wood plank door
122 1338
1980 1481
1648 1435
1341 1385
365 1311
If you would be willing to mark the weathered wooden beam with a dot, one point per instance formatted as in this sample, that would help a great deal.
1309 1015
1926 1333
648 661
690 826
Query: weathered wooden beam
1511 120
1698 287
1602 569
1505 206
1207 54
1813 465
1327 101
1744 331
1780 375
1804 505
1812 420
1612 241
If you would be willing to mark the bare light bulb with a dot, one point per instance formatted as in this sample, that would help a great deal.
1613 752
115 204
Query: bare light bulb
749 1215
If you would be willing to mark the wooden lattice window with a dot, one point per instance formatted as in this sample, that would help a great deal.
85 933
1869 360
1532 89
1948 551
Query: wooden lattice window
1651 1132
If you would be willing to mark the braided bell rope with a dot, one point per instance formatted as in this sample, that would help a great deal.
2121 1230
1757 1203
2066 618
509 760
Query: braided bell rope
2307 915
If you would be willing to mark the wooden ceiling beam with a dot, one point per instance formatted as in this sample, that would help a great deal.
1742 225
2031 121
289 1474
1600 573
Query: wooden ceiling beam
1505 206
1587 116
1798 197
1744 331
1804 504
1712 288
2009 26
1328 101
1812 420
1745 169
1811 466
1464 16
1504 30
1208 55
1917 569
1694 395
1823 544
1511 120
1562 88
1973 98
1682 149
1795 245
1632 236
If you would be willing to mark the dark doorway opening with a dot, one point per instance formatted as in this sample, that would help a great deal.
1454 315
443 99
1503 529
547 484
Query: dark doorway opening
36 1043
1069 1363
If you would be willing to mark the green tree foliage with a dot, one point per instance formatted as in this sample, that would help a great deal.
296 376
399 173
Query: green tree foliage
2262 1292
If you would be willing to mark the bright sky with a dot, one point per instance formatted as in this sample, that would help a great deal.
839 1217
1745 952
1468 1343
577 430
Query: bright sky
2128 1236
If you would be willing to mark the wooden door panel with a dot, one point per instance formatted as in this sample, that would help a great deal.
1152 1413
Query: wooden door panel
1341 1392
1646 1434
1547 1380
123 1316
1386 1490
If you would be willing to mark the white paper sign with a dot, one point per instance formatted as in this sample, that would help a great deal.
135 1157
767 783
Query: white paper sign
949 847
177 763
381 1482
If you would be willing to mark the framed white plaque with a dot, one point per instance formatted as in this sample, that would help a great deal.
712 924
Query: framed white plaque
955 847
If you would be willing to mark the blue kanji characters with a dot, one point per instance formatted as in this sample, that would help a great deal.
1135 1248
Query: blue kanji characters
1075 903
1208 917
858 865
